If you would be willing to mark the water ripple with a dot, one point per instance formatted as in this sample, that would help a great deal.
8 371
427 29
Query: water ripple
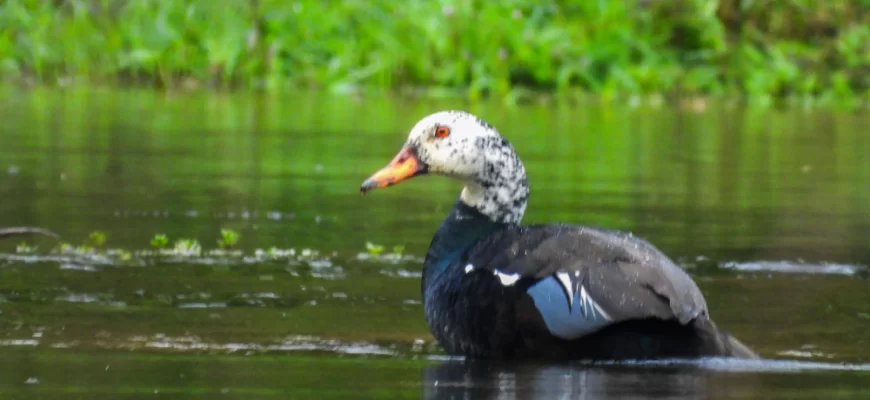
744 365
291 343
324 265
430 352
401 273
796 267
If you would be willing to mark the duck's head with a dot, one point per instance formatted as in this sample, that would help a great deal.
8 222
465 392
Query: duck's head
462 146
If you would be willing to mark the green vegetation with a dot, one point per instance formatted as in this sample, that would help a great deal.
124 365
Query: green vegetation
374 249
188 247
24 248
159 241
97 238
376 252
185 248
229 238
802 49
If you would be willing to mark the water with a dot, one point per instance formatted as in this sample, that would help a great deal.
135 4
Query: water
768 210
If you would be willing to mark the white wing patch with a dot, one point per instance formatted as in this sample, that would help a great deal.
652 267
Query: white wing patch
589 306
506 279
469 268
568 310
573 288
565 280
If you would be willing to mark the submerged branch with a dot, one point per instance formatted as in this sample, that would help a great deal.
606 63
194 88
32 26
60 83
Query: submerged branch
21 231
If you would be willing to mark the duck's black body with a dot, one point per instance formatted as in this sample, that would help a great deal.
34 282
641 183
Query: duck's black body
504 291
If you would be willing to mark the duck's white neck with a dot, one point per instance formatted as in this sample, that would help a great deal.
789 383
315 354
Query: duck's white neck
502 195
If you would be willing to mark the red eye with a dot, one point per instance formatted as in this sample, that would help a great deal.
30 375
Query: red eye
442 131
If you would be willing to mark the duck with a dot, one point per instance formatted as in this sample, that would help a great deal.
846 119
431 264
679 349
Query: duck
494 288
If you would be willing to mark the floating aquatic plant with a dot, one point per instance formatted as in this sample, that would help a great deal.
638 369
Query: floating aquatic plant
188 247
376 252
159 241
97 238
89 258
374 249
24 248
229 238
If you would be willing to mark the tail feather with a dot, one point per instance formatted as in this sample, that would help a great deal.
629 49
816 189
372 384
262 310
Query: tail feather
722 343
736 348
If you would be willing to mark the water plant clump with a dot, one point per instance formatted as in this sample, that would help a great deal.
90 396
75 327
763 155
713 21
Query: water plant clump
375 252
159 241
24 248
229 238
88 256
97 238
187 247
799 48
374 249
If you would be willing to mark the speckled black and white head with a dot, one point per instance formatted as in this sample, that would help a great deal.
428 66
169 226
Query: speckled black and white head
462 146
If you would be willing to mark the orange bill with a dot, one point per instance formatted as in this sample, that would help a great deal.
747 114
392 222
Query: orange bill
405 165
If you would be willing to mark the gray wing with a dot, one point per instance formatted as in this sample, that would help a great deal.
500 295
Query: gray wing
605 273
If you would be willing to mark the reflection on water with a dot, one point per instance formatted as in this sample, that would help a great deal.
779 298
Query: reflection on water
458 380
666 379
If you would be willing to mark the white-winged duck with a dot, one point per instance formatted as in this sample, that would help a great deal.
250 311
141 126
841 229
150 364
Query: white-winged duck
493 288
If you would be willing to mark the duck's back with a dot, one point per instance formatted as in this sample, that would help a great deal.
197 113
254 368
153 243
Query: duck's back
566 291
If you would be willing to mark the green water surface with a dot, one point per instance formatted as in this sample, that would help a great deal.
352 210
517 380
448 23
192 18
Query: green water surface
769 210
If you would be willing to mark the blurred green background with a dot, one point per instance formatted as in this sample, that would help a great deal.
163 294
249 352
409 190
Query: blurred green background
802 50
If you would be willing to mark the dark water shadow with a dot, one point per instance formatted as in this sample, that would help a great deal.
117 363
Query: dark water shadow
673 379
469 380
